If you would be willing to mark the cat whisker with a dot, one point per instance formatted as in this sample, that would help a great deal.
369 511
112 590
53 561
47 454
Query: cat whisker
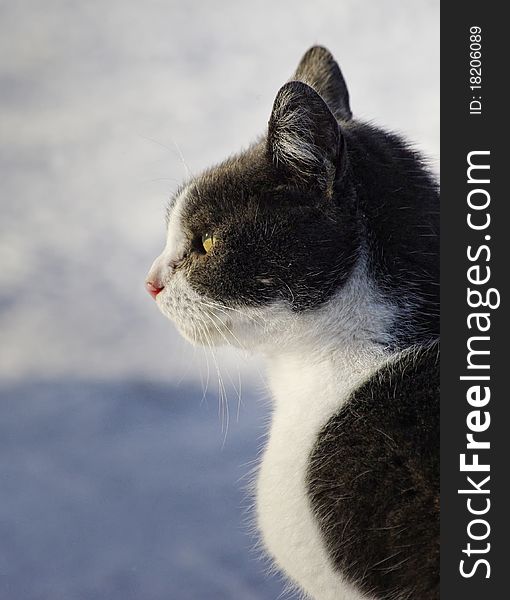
223 399
201 339
229 330
226 339
181 156
219 306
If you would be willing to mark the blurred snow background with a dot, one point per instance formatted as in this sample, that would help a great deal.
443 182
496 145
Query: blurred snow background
116 477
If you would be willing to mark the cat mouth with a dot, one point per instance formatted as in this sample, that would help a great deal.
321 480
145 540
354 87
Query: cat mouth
153 288
198 322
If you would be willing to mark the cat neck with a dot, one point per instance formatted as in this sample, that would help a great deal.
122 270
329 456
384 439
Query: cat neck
321 383
328 353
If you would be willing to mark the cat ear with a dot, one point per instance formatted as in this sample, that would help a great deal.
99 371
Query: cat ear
320 71
304 139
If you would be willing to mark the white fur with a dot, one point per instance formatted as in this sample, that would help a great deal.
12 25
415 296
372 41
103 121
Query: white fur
176 238
175 242
310 383
316 359
307 393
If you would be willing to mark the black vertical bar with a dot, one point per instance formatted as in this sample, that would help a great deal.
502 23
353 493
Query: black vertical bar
472 120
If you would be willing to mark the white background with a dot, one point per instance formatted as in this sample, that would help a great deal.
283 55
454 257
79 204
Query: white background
97 97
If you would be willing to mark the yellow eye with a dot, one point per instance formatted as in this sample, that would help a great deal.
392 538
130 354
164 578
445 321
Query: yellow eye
208 241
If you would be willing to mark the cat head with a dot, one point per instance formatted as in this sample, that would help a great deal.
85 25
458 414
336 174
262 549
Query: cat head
258 245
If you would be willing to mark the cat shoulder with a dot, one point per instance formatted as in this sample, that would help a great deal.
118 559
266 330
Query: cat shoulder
373 479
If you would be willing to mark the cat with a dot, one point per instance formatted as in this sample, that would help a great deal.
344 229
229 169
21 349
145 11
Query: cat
318 247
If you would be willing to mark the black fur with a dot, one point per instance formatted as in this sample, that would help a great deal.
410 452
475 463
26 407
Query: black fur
292 225
374 481
320 71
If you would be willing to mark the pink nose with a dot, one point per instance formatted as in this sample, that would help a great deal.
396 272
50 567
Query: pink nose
154 287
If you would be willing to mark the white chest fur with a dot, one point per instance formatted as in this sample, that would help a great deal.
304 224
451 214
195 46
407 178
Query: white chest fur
307 392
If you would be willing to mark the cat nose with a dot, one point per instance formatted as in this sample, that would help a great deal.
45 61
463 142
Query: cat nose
154 287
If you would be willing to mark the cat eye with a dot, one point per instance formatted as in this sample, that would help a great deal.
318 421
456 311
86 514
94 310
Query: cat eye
208 241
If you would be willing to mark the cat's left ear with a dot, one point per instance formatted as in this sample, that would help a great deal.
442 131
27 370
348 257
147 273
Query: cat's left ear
304 139
320 71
